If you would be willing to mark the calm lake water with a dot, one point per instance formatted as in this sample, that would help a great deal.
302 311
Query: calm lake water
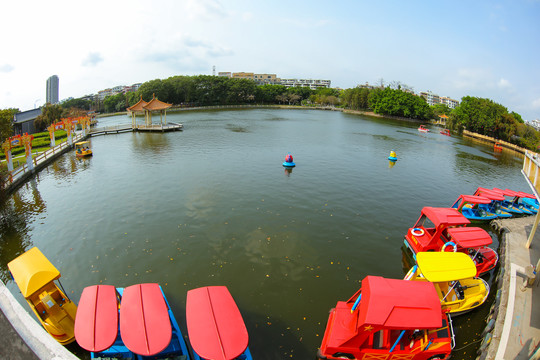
212 205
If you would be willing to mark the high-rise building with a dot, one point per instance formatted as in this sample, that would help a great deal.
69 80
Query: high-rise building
52 90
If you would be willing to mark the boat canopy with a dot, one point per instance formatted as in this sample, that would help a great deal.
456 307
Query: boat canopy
470 237
31 271
446 216
522 194
82 143
473 199
445 266
508 192
215 326
490 194
399 304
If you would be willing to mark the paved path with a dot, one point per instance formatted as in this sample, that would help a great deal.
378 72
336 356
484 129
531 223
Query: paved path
22 337
12 346
517 329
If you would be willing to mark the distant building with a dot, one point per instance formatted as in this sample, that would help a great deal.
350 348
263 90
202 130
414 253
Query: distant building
371 87
434 99
430 97
131 88
23 122
451 103
52 90
534 123
243 75
262 79
311 83
225 73
120 89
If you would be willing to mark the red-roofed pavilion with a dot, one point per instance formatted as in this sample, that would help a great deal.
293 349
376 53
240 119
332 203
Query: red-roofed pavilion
137 108
155 105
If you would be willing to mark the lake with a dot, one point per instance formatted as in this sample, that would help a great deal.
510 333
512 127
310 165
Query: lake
213 205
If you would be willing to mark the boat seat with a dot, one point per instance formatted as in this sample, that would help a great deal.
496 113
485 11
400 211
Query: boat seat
458 289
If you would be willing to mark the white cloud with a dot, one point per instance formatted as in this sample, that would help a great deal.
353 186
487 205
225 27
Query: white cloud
504 84
536 104
472 78
5 68
205 9
92 59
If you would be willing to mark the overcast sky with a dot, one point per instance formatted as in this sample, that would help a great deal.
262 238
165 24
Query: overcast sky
479 48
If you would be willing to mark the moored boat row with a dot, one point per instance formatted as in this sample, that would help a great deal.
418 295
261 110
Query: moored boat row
135 322
488 204
411 318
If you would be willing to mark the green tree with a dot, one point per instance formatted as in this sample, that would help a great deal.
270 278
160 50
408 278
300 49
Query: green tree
517 117
158 88
49 114
76 103
115 103
268 93
441 109
399 103
6 123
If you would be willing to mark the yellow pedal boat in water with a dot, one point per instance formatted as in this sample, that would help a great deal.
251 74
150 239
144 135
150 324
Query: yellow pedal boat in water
35 276
82 149
453 274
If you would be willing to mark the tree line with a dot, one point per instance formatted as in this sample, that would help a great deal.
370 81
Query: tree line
479 115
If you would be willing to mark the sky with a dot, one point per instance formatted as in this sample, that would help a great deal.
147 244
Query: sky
487 49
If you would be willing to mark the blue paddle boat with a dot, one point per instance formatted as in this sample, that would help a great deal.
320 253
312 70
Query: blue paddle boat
509 205
495 206
131 323
531 202
468 206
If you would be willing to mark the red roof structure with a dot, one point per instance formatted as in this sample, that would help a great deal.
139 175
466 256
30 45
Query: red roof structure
138 106
148 108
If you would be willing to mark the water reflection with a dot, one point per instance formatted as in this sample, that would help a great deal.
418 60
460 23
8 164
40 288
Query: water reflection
15 215
182 209
151 143
68 166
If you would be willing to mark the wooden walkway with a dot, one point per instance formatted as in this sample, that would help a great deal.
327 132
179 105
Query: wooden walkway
20 174
116 129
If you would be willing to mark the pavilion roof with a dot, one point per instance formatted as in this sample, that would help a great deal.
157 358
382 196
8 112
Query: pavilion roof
156 104
139 106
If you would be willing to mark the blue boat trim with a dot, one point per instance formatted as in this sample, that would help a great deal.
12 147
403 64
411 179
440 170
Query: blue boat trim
289 164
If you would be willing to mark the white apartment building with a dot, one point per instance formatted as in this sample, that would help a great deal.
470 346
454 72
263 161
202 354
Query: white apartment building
102 94
311 83
451 103
433 99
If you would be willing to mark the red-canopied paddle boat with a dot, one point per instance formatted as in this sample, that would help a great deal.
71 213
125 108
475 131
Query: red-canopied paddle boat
445 229
131 323
388 319
423 129
215 326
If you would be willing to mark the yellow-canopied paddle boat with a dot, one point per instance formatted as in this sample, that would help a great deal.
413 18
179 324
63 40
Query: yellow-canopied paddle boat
82 149
35 276
453 274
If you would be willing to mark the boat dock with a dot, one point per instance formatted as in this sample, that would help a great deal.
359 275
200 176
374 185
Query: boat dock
116 129
513 327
